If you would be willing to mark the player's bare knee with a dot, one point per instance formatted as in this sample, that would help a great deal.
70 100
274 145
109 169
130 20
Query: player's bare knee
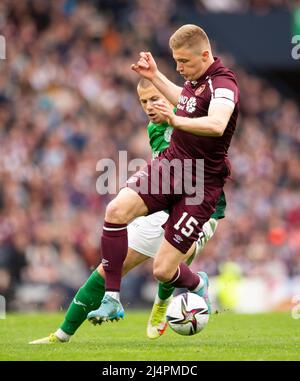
162 274
115 213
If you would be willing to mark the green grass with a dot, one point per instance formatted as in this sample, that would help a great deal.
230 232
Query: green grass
274 336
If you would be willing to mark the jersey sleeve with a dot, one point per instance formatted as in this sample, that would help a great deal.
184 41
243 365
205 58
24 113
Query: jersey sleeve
224 90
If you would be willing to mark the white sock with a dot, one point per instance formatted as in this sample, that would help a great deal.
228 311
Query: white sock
200 285
63 336
160 301
114 294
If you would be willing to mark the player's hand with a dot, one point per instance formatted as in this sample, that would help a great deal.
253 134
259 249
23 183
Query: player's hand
167 111
146 66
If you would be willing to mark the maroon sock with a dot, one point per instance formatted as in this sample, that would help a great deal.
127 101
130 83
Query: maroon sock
184 278
114 246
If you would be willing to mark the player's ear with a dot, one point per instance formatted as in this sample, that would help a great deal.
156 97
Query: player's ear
205 55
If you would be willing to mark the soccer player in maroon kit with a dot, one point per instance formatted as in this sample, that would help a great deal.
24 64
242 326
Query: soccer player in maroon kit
205 120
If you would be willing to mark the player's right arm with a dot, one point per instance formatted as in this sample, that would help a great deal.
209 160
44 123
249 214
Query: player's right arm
147 68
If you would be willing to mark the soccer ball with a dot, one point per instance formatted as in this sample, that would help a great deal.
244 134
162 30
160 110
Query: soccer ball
187 314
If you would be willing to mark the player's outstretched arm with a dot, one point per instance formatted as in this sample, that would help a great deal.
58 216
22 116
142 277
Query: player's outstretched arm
147 68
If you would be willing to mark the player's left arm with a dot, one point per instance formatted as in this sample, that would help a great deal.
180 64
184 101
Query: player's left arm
213 124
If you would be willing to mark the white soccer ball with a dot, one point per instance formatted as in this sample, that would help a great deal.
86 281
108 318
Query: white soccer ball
187 314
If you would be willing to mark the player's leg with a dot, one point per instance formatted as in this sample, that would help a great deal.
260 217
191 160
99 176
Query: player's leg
137 201
183 227
91 293
87 298
165 290
157 321
114 243
169 268
145 235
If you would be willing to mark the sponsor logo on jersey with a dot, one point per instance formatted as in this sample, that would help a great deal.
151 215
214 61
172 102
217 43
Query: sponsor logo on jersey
182 102
187 103
191 105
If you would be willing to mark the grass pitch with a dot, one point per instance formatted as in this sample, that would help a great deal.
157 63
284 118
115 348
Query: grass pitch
274 336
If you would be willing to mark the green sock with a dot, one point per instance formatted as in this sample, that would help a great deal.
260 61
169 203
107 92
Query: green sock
88 298
165 290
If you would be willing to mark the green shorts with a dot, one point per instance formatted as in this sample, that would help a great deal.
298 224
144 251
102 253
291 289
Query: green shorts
220 208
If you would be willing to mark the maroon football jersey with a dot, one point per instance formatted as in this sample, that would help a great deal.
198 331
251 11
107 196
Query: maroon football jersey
217 84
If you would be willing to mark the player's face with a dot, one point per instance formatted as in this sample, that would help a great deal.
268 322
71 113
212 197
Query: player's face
147 97
190 63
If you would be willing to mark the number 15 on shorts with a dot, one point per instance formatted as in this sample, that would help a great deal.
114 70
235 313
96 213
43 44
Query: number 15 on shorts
186 226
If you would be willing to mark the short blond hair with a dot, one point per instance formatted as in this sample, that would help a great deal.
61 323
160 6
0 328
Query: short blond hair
189 36
144 83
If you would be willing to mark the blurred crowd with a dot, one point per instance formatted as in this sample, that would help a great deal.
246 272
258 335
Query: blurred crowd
68 99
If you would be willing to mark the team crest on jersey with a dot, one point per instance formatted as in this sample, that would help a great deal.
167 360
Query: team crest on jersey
167 134
191 105
200 90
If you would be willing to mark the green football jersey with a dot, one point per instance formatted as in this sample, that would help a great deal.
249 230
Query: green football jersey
160 137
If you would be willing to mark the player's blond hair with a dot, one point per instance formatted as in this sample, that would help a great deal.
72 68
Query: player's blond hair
189 36
144 83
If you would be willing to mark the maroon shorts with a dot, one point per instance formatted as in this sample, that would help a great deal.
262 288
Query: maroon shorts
166 192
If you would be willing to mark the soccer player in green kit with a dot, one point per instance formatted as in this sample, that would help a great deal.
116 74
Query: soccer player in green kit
144 238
